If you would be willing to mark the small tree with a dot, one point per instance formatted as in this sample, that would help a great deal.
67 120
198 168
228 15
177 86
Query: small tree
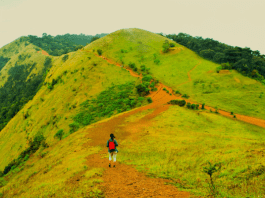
65 57
59 134
165 46
210 170
99 52
203 106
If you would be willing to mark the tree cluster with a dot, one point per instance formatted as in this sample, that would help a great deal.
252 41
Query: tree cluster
248 62
62 44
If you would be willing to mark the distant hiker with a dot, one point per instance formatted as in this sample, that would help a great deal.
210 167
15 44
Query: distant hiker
112 144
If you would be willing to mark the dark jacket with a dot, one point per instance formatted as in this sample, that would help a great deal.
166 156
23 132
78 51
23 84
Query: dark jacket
115 142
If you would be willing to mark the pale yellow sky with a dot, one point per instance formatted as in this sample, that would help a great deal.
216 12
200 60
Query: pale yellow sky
234 22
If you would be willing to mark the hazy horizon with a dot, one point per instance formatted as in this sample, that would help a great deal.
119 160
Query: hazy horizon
236 23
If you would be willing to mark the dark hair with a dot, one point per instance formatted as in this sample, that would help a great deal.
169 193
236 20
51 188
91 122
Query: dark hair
112 136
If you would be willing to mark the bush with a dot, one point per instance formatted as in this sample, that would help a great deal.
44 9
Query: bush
165 46
203 106
74 127
193 106
143 68
177 92
185 96
181 103
188 105
172 45
143 89
59 134
147 78
132 65
99 52
218 69
156 61
65 57
149 99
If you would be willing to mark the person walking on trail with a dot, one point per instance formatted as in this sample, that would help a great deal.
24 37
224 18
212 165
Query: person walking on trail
112 144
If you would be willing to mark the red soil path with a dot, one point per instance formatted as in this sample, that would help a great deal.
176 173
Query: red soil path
44 53
125 180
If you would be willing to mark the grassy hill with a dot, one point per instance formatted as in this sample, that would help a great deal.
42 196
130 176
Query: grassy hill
46 148
22 71
245 95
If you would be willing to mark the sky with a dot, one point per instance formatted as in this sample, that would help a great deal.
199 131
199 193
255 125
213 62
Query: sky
234 22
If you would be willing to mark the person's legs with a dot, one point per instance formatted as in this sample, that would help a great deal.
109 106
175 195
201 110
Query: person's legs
110 154
114 158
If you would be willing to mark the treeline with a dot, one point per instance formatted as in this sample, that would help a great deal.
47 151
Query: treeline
62 44
17 91
244 60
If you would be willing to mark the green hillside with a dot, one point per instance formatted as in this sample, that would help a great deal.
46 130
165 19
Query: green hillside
47 149
245 95
22 71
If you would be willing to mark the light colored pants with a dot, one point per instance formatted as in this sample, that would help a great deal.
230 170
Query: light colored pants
114 154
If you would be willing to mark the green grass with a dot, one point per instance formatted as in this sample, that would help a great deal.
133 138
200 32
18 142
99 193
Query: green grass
243 95
181 142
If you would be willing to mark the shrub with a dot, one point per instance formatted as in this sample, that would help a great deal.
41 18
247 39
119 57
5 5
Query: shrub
203 106
172 45
156 61
177 92
65 57
143 89
132 65
147 78
59 134
218 69
188 105
165 46
181 103
185 96
74 127
149 99
193 106
99 52
210 170
197 106
142 67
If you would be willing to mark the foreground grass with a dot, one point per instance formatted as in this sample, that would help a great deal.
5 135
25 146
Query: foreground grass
181 142
58 171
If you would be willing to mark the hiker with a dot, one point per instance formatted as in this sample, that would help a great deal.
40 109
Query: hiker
112 144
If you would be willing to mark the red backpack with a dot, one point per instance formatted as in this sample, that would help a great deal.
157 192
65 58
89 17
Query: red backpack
111 146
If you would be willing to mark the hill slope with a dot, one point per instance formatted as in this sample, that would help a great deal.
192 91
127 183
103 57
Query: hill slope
21 73
205 85
56 154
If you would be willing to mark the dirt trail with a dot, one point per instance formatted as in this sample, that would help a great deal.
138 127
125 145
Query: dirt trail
160 94
124 180
189 74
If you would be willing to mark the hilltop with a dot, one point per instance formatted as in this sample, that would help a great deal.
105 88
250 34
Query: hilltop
55 145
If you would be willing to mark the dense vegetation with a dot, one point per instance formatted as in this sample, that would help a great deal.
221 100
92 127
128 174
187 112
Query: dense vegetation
62 44
116 99
17 91
3 61
248 62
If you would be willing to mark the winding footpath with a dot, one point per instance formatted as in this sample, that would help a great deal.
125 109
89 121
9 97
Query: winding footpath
125 180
